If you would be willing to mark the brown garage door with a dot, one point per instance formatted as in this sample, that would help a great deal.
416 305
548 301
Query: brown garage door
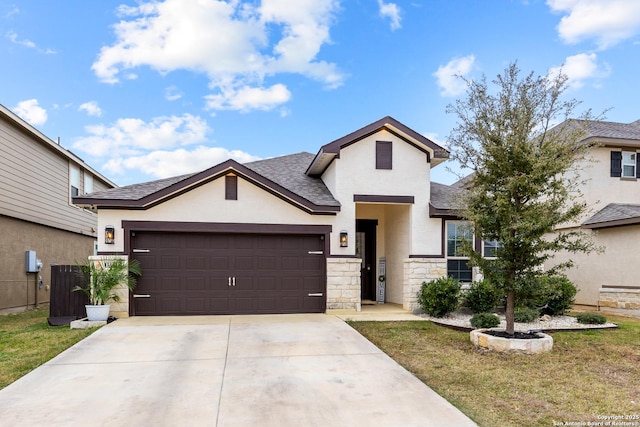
199 273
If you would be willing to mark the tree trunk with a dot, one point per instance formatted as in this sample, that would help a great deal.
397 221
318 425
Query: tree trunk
510 312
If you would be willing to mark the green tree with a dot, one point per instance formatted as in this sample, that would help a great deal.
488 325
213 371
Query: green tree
525 178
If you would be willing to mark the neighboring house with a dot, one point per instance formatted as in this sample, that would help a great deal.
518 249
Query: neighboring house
291 234
37 180
612 191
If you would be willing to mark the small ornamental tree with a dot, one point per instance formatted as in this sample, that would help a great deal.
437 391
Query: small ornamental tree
525 180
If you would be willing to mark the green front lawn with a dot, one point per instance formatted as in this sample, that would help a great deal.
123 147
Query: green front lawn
27 341
587 374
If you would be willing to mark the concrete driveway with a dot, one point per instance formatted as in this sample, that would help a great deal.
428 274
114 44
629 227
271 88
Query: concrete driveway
280 370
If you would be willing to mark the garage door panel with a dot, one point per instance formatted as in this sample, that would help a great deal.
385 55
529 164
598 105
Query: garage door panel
196 284
190 273
169 262
219 262
196 304
267 263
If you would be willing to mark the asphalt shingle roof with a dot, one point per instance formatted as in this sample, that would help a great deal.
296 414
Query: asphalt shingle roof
137 191
445 196
614 214
616 130
286 171
289 172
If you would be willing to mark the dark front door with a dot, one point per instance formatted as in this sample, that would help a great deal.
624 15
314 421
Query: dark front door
208 273
366 250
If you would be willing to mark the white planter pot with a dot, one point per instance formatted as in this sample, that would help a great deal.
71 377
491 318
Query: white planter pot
97 312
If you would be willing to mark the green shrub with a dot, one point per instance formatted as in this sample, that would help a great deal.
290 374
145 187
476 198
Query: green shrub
552 295
481 297
591 318
560 295
485 320
439 297
526 315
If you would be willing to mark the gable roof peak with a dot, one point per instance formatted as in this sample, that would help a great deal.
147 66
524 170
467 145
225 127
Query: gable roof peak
330 151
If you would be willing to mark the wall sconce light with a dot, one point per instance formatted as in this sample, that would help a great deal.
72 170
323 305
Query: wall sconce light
344 239
109 235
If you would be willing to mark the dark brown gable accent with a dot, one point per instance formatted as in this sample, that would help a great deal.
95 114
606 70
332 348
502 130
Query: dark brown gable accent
374 198
384 155
231 187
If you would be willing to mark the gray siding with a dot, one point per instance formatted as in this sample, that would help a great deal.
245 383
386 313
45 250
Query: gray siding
34 182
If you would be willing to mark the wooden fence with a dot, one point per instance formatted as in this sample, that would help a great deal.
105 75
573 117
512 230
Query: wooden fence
65 303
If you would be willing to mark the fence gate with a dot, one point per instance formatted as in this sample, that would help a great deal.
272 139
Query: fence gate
66 305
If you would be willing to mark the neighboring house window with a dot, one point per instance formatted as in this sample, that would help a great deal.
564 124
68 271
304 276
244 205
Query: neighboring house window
231 187
625 164
457 263
74 180
384 159
628 164
88 183
489 248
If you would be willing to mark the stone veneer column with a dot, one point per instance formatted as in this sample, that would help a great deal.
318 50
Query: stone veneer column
343 283
416 271
121 308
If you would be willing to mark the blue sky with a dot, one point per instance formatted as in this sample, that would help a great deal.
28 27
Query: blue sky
144 90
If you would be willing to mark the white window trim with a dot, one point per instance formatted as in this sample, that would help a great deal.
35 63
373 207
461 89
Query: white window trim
631 164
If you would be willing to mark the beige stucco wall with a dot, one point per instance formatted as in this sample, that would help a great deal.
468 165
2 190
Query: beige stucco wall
599 188
355 173
614 267
207 204
52 246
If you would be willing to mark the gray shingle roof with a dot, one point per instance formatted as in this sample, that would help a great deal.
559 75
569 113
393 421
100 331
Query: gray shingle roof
445 197
289 172
615 130
286 171
614 214
137 191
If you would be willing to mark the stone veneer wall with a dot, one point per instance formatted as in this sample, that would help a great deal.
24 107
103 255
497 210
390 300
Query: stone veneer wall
343 284
628 298
416 271
121 308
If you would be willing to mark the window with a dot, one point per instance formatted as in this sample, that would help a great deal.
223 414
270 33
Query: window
625 164
74 180
489 248
384 157
231 187
459 270
457 263
457 231
628 164
88 183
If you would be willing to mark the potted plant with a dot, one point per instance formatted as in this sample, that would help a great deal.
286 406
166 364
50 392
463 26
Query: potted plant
101 279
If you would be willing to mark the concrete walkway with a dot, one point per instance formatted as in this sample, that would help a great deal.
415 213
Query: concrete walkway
281 370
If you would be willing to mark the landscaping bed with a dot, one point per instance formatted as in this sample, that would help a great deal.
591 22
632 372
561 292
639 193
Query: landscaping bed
461 320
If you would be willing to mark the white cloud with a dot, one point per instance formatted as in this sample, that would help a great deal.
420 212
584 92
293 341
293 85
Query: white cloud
172 93
13 37
235 43
249 98
30 111
130 136
579 68
391 11
164 164
91 108
608 22
448 75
